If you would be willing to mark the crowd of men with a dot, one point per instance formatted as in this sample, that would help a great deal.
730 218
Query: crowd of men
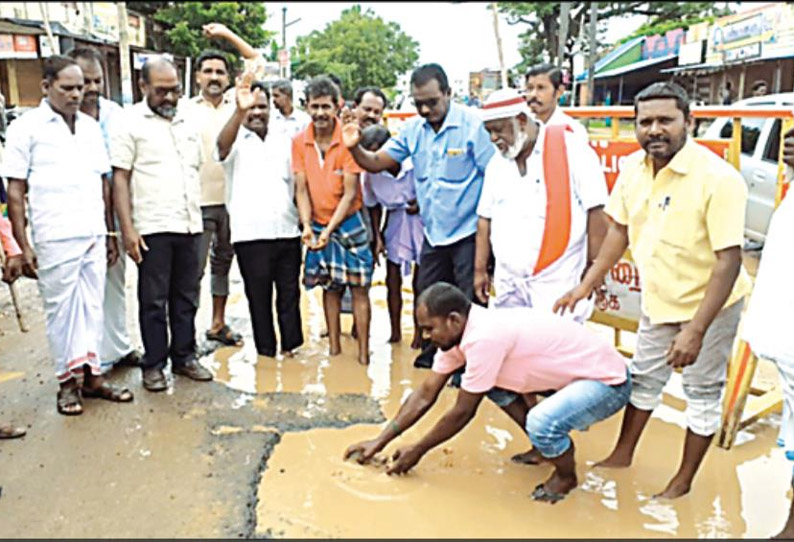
505 207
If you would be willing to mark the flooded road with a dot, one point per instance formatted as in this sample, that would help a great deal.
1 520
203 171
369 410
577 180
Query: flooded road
259 453
468 487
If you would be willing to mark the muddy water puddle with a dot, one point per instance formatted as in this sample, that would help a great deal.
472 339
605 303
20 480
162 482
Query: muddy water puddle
468 487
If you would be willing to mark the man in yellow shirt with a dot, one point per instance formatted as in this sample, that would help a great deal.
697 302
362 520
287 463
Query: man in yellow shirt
680 209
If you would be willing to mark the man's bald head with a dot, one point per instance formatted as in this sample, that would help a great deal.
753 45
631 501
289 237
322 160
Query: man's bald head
160 85
159 64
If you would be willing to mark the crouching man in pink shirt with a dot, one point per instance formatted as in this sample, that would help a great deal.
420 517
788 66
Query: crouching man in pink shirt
522 350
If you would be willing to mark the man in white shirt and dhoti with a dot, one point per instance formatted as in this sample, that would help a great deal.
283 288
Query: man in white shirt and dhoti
55 158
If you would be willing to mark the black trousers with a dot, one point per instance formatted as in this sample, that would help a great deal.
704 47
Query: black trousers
263 265
450 263
168 284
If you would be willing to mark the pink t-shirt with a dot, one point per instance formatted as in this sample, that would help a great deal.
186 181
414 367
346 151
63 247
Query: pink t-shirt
525 350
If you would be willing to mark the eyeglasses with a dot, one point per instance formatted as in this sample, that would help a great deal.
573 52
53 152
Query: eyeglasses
429 103
162 92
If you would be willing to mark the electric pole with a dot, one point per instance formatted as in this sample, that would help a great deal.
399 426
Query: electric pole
565 8
124 55
592 53
45 16
284 62
502 68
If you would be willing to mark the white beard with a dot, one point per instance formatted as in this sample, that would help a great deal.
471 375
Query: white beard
518 145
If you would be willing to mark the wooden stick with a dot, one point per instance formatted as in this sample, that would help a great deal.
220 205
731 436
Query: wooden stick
23 326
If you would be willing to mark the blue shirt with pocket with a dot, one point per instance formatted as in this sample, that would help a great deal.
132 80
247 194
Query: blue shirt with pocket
448 168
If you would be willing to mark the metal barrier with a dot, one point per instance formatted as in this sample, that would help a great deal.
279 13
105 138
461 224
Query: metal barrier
737 413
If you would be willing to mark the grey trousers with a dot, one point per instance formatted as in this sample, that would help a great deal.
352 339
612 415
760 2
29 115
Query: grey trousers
217 237
703 381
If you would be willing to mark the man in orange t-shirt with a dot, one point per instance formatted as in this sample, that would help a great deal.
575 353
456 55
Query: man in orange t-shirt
329 204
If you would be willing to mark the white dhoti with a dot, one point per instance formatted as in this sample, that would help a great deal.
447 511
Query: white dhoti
115 338
72 285
517 289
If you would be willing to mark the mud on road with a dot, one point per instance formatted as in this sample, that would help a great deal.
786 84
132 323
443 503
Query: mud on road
185 463
258 453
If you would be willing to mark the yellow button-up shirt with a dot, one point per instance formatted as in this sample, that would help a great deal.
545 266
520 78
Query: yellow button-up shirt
676 222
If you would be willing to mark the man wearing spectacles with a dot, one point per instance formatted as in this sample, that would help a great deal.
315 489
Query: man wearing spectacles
449 148
156 154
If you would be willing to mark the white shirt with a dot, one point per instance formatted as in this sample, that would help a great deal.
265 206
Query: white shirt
63 172
164 157
108 113
260 188
516 206
290 126
767 323
558 118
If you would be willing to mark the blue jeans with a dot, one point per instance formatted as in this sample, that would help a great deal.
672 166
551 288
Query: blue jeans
578 405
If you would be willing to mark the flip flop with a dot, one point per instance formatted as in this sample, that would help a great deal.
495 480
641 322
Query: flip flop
225 336
544 495
68 397
109 392
132 359
521 459
9 432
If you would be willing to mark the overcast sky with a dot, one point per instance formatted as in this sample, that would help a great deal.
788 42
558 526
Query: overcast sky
458 36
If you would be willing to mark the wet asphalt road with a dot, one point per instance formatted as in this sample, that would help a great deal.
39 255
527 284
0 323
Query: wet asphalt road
166 465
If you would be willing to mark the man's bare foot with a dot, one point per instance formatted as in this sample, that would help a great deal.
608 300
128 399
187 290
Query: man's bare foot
616 460
363 359
396 337
530 457
288 353
334 350
674 490
416 342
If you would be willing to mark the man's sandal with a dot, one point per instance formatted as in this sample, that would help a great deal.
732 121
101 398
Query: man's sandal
225 336
109 392
544 495
9 432
69 401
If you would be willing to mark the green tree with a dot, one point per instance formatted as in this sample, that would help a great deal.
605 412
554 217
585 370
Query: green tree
541 38
184 21
360 48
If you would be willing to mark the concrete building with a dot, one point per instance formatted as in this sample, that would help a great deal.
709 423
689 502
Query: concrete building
24 43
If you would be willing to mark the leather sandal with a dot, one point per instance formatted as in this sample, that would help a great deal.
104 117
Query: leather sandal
9 432
68 399
109 392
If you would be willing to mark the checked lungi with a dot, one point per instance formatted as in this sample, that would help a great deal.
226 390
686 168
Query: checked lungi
345 261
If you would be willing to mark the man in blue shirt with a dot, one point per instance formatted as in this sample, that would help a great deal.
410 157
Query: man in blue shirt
449 148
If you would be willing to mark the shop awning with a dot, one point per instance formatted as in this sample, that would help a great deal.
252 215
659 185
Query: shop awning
9 27
707 67
634 67
611 57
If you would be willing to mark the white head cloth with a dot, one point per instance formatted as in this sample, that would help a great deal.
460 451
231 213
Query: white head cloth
503 104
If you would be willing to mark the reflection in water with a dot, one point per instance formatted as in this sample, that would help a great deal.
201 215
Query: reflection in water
468 487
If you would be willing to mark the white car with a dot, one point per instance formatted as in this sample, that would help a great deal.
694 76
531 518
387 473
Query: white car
758 161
